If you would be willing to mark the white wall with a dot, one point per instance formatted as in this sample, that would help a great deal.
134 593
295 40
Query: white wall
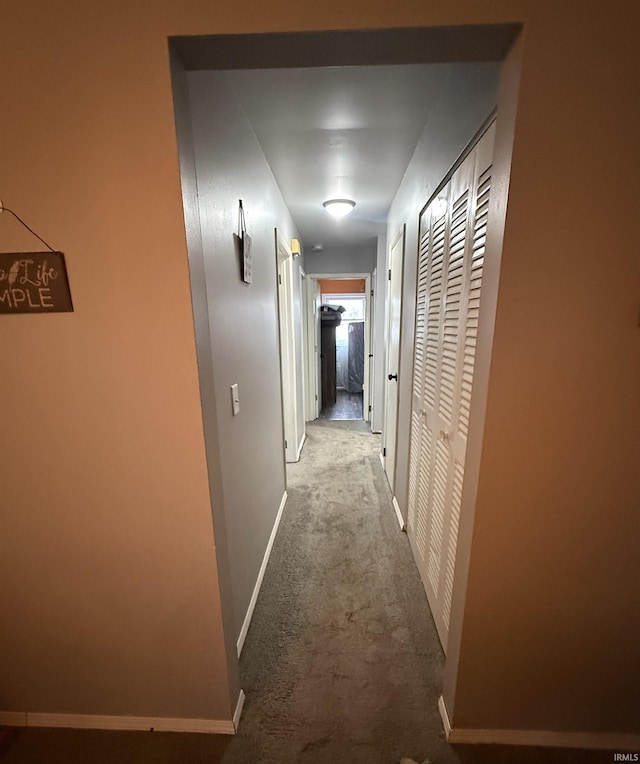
243 322
348 260
470 96
204 351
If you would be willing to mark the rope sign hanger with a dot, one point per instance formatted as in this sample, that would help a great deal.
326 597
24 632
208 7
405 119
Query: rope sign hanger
21 221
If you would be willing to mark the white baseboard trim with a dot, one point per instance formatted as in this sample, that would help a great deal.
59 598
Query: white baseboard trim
256 589
445 717
131 723
381 460
396 506
609 741
299 451
238 712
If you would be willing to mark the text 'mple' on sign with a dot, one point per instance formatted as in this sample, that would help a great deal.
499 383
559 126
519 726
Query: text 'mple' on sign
34 282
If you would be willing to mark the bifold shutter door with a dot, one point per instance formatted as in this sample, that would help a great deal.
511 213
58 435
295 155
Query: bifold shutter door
450 263
418 362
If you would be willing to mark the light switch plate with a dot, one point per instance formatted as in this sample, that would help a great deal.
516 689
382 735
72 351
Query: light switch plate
235 400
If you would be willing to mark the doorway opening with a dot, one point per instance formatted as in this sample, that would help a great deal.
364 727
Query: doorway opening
245 121
343 399
345 342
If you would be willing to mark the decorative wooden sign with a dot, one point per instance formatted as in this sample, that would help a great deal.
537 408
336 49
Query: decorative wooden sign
247 274
245 248
34 282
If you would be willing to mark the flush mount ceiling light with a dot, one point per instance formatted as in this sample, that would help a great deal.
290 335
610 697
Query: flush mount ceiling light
338 208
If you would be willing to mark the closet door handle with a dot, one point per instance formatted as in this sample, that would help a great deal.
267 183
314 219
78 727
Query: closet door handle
393 376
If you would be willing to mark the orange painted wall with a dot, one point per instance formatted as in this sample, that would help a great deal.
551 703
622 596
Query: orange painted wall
341 286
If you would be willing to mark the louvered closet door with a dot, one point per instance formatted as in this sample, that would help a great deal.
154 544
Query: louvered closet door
451 256
433 225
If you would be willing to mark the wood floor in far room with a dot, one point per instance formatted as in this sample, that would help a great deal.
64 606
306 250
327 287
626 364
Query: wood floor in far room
347 406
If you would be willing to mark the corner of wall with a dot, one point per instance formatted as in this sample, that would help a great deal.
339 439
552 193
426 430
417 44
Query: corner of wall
505 128
205 361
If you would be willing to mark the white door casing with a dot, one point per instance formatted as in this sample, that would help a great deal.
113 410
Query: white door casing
396 259
287 348
310 346
450 262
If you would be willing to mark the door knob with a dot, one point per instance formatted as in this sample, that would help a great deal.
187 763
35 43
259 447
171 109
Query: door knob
393 376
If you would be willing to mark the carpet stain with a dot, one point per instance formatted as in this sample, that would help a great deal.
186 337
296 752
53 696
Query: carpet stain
315 744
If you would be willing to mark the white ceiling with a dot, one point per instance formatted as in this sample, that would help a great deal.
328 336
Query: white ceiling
340 132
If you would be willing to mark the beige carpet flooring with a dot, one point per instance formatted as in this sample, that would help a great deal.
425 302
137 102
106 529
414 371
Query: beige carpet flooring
342 662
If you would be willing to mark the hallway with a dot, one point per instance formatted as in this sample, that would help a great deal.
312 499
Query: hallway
342 662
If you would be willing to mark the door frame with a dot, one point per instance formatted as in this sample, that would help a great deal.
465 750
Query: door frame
384 46
367 403
400 237
311 345
286 335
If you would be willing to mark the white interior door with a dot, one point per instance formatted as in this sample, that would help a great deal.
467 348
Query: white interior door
287 349
451 257
396 258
